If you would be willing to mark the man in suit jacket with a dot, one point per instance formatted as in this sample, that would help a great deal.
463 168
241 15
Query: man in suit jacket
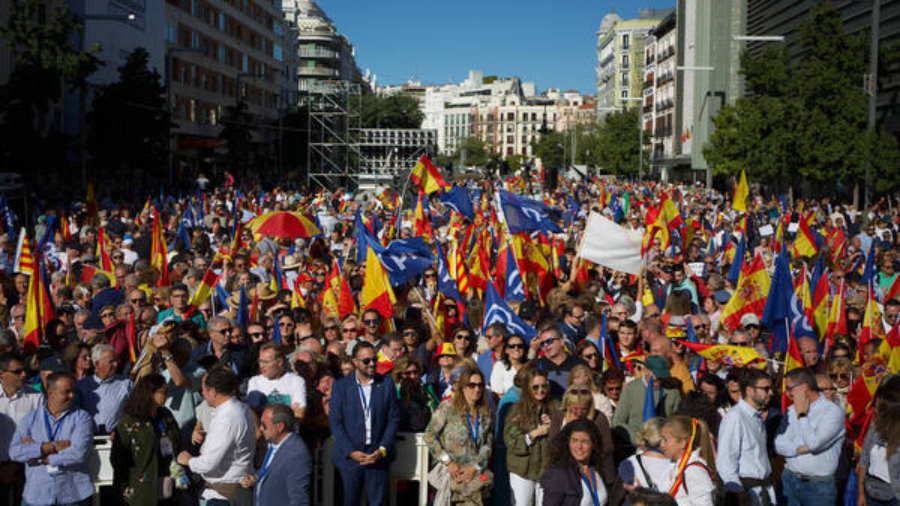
364 416
284 477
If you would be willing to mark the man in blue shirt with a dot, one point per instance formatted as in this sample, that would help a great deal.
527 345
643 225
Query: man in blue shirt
104 393
810 439
53 442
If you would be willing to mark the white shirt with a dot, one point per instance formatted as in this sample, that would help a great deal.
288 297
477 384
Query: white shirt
227 452
742 450
658 470
697 489
12 410
502 378
586 499
288 389
365 394
821 431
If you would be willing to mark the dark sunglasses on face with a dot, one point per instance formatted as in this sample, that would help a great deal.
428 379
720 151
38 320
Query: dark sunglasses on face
254 335
540 386
463 336
349 329
547 342
373 321
17 372
516 346
474 385
366 361
590 356
837 376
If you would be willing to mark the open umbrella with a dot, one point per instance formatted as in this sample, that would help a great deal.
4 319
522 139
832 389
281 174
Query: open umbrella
284 224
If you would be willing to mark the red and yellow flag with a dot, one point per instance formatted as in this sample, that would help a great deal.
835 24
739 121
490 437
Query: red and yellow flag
205 289
750 295
38 311
732 356
377 293
837 318
336 297
820 305
159 250
427 177
24 262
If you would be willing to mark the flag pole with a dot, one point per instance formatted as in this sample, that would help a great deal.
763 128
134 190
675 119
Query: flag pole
425 306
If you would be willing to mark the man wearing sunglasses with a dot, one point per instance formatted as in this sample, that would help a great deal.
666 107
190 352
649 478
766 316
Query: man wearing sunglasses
557 362
16 401
364 416
742 458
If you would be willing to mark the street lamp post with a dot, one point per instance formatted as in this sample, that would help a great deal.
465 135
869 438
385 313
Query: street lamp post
82 99
171 150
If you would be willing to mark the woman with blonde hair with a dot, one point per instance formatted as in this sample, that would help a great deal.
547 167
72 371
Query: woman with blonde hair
649 467
686 441
582 376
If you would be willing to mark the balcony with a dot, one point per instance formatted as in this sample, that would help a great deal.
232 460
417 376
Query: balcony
317 53
662 132
664 104
318 71
665 78
650 59
648 107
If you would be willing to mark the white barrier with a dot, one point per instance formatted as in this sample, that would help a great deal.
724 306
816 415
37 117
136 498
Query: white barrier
99 465
411 464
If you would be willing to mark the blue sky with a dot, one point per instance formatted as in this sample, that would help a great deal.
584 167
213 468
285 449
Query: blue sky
552 43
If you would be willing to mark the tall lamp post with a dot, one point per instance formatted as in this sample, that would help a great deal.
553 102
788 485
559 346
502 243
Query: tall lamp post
169 148
82 99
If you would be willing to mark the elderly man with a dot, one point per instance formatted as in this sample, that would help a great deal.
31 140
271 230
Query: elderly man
104 294
275 384
53 440
810 440
219 350
226 456
284 478
103 394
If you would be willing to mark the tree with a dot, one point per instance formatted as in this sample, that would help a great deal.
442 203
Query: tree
514 162
616 147
128 123
396 111
237 136
471 152
549 148
805 122
46 62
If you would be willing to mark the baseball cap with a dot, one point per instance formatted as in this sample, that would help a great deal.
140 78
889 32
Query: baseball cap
53 364
658 366
749 319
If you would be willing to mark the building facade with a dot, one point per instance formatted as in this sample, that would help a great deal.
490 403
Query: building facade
221 52
323 55
620 59
658 110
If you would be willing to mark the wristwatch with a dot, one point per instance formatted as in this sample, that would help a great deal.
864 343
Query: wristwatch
802 415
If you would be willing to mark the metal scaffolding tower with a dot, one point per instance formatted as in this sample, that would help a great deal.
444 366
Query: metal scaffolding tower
333 157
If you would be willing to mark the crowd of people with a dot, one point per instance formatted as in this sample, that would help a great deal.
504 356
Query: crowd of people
220 360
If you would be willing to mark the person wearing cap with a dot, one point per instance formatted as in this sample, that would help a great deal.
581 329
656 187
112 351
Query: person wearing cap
180 308
46 367
129 257
438 380
629 414
750 323
720 299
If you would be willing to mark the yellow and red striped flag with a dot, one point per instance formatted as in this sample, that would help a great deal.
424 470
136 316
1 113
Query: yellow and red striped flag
427 177
38 311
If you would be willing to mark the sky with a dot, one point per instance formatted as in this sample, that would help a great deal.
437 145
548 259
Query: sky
551 43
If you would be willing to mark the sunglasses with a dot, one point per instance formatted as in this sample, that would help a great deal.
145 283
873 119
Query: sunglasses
540 386
108 315
374 321
580 391
547 342
136 301
652 315
430 276
366 361
463 336
590 356
348 329
411 333
474 385
256 334
17 372
515 346
837 376
740 344
769 388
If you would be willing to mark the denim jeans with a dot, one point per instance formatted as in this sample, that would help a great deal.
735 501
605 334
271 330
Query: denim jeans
807 493
871 501
86 502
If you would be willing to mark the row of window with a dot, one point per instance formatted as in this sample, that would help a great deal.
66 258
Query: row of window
196 76
216 18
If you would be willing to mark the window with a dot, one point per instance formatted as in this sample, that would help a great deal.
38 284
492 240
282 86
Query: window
624 60
195 40
625 79
222 54
626 42
172 34
276 27
222 21
624 93
244 64
277 53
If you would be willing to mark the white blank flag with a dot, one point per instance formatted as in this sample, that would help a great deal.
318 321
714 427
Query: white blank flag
611 245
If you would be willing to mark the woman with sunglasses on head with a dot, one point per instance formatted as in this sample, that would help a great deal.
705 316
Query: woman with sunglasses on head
513 357
686 442
526 437
459 438
582 376
578 403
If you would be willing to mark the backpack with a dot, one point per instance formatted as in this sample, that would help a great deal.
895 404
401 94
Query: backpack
718 493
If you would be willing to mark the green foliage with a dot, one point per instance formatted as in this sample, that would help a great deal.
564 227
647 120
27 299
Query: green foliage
549 148
514 162
128 124
295 139
46 59
471 152
807 121
615 144
396 111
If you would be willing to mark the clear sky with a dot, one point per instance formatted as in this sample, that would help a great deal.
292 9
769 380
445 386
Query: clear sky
551 42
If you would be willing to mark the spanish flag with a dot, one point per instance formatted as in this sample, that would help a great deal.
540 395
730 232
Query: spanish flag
377 293
336 297
427 177
837 318
741 192
805 243
732 356
159 251
750 296
38 310
820 304
102 253
93 210
204 290
24 262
